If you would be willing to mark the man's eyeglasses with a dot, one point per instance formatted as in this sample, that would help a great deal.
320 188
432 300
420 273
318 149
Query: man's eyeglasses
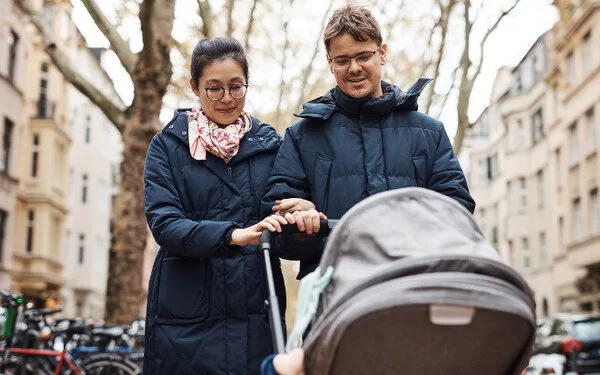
343 62
235 91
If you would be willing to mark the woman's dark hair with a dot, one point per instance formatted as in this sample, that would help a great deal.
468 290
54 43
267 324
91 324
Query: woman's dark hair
207 51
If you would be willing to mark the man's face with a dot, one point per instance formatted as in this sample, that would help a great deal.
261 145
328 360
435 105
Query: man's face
357 77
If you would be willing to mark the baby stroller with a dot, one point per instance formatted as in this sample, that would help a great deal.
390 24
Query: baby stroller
407 284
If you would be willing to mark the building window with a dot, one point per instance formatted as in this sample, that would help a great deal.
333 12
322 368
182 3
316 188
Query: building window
526 254
588 57
81 247
3 224
591 131
88 129
521 132
49 15
594 212
495 235
29 243
35 151
540 188
84 188
43 110
509 196
537 126
523 192
6 144
543 249
577 220
574 144
571 68
558 168
511 253
13 47
562 235
519 85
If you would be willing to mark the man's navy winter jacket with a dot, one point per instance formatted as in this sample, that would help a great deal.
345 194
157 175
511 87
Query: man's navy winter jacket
344 150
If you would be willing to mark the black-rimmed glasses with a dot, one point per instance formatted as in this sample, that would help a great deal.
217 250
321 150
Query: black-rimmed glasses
342 62
235 91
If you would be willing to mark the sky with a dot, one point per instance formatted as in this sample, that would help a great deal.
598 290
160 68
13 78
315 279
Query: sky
506 47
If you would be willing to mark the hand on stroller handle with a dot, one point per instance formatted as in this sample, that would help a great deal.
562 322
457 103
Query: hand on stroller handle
326 227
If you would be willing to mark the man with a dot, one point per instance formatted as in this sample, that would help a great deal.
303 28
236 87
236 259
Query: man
362 137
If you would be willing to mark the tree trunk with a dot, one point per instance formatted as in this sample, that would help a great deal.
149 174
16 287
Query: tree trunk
124 292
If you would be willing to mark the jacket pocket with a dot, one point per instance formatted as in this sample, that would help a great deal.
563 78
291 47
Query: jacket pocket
419 164
183 291
322 177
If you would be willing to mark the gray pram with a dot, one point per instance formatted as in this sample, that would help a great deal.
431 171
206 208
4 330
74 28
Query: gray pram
407 284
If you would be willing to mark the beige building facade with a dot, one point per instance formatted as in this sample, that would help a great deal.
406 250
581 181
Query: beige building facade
41 206
533 163
12 84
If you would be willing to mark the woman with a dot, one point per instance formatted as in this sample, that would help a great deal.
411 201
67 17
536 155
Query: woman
204 177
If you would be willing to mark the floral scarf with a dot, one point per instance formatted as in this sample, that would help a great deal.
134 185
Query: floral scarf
204 135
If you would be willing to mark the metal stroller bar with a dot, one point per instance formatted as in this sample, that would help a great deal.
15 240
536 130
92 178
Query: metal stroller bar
271 303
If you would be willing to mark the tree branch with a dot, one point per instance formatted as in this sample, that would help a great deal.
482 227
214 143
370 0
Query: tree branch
230 4
249 27
447 95
61 60
487 34
309 67
205 11
283 64
443 23
119 45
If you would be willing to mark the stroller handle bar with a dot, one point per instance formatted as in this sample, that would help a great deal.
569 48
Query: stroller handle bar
265 238
271 303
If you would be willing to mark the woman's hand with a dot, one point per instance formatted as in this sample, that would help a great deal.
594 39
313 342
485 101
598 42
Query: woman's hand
290 205
251 235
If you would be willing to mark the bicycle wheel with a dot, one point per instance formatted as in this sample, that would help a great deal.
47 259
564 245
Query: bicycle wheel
29 366
109 364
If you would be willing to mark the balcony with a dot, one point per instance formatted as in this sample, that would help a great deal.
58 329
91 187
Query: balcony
46 109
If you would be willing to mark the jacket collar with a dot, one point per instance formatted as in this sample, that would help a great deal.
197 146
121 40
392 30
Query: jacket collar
392 99
260 138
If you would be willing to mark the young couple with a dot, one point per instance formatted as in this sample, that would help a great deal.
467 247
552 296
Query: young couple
215 177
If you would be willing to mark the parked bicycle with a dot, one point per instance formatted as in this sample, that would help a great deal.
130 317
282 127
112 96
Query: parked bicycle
26 346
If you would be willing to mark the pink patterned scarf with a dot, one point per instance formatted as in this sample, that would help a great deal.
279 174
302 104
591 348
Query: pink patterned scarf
204 135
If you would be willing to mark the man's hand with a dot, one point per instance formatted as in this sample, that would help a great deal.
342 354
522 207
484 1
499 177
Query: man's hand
291 363
307 221
290 205
251 235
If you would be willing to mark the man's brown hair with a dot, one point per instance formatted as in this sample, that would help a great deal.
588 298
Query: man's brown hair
354 20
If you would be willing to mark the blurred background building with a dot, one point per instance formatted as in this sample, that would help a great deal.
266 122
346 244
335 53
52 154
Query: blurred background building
534 168
60 159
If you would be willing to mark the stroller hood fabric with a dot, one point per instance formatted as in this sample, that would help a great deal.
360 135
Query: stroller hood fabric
408 248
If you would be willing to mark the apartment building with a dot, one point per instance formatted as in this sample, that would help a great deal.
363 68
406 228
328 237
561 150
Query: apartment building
42 171
12 84
533 169
94 159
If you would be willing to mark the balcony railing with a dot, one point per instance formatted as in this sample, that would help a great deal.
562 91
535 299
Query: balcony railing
46 109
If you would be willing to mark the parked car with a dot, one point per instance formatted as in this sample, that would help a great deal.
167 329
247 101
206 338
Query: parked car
576 337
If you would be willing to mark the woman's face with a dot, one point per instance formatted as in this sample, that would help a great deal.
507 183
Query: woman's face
221 74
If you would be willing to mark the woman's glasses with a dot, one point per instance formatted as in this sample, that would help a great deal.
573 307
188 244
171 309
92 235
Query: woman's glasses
235 91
